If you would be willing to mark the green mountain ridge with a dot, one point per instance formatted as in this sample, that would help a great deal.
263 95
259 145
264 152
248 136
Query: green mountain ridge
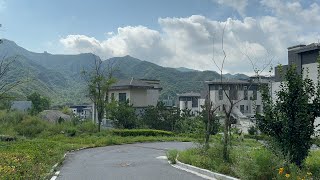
58 76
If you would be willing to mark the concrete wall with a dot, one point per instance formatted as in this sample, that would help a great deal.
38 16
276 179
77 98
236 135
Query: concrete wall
138 97
249 105
116 94
152 97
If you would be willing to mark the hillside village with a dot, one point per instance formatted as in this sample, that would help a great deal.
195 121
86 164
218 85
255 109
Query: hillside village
139 90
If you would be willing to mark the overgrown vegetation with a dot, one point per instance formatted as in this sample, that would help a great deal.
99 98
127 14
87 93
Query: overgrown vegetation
290 119
249 160
30 146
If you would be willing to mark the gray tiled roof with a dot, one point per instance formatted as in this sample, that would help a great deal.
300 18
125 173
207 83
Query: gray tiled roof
189 94
129 83
21 105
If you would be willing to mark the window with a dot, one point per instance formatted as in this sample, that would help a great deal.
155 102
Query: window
112 96
242 108
247 108
122 97
245 94
254 95
233 92
220 93
194 102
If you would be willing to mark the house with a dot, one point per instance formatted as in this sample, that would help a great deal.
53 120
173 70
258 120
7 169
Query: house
191 101
141 93
21 105
82 111
244 92
305 59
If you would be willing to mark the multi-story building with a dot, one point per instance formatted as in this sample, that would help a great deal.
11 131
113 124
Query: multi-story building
191 101
304 57
141 93
244 93
82 111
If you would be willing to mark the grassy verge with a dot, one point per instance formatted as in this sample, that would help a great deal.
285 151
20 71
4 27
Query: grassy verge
249 160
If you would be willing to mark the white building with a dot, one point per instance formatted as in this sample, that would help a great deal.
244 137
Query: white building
141 93
191 101
244 93
82 111
305 59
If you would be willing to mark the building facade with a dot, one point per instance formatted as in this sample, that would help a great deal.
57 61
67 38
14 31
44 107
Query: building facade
244 93
82 111
304 57
141 93
191 101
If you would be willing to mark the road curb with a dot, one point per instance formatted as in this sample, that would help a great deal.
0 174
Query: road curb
204 173
53 173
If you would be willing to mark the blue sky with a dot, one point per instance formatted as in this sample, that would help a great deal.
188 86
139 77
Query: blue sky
170 33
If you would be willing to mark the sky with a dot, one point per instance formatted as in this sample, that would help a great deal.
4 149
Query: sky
172 33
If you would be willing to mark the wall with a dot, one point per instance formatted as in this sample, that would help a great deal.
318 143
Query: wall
152 96
139 97
116 94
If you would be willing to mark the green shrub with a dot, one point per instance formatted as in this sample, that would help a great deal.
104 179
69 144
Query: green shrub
141 132
31 127
11 117
71 131
258 164
172 155
87 127
252 130
313 163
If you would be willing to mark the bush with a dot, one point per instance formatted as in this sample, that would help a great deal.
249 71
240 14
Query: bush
87 127
31 126
313 163
252 130
141 132
172 155
258 164
71 131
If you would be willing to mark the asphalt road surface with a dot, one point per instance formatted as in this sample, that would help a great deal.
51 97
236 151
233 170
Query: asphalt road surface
142 161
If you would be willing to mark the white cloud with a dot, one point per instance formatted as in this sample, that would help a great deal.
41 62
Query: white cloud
2 5
238 5
293 11
189 41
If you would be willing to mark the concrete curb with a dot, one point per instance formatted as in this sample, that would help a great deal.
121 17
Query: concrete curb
204 173
53 169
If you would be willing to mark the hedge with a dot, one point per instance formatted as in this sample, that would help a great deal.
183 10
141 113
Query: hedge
140 132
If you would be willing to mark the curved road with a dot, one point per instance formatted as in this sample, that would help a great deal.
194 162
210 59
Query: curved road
142 161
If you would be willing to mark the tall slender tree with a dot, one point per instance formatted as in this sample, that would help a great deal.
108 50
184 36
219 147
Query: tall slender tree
99 79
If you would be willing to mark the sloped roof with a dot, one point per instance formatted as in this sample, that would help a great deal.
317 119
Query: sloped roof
190 94
21 105
133 83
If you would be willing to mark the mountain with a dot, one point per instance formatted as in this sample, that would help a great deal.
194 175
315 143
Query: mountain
58 76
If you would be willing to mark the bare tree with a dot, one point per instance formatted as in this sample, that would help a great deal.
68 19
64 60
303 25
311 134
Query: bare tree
99 79
230 102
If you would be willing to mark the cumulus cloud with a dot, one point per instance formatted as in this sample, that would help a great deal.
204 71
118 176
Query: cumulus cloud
2 5
196 41
238 5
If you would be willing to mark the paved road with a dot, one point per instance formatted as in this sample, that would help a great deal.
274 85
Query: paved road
124 162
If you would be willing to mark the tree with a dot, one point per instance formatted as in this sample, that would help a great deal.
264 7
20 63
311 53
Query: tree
39 103
229 103
6 82
289 120
123 115
210 120
99 79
